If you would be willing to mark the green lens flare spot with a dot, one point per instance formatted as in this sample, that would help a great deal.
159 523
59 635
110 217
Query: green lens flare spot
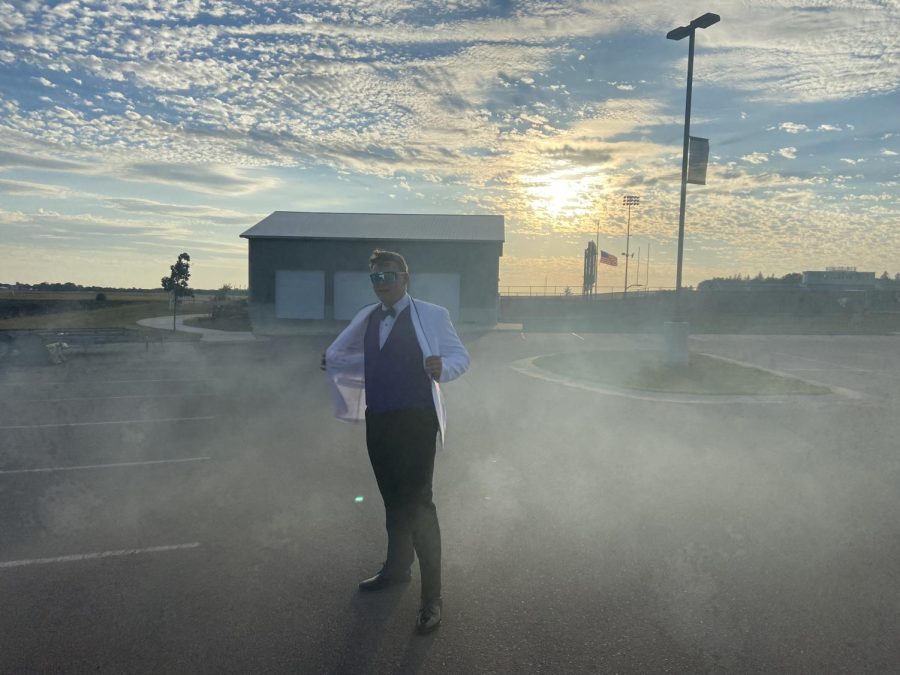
359 499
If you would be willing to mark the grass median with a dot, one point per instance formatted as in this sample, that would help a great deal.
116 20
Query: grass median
228 323
646 371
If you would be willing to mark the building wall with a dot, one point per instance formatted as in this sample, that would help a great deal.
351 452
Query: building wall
477 263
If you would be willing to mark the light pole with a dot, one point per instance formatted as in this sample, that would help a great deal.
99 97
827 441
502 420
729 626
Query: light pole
680 33
647 283
676 331
638 274
629 201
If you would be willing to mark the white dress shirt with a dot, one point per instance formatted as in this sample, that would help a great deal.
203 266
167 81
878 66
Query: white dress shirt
387 323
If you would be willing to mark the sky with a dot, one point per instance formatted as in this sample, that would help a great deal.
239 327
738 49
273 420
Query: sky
133 131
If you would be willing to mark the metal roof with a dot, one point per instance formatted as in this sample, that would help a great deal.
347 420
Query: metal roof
406 226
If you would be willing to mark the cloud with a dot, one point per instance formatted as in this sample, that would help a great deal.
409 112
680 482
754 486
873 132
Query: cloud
210 213
581 156
48 223
793 127
25 189
197 177
477 103
835 51
24 161
888 153
90 232
756 158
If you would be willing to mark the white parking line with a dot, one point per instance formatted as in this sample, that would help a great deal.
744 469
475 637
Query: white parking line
95 556
834 366
82 467
88 424
51 382
104 398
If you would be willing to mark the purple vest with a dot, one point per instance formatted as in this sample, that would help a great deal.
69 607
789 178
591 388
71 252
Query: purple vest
395 375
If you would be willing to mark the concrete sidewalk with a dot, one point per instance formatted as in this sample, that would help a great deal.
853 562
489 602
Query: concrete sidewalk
313 328
208 334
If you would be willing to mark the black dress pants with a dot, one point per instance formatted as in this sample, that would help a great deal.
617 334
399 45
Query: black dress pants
401 446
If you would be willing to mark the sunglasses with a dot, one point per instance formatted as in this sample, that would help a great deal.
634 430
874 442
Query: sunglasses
384 277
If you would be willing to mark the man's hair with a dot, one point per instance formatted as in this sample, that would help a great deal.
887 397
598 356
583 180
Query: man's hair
381 257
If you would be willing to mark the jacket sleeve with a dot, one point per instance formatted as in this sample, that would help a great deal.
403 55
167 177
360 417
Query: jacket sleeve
347 349
453 354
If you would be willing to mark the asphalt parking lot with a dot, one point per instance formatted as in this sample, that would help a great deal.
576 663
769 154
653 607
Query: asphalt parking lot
196 509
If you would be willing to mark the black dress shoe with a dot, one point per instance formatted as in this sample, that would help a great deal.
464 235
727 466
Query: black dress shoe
429 616
384 580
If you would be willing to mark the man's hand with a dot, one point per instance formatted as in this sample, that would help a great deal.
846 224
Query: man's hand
434 366
322 362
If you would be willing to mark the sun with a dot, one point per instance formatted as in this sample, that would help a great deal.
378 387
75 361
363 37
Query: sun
565 192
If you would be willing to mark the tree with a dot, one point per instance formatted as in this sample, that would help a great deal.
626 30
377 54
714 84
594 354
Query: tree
222 294
177 282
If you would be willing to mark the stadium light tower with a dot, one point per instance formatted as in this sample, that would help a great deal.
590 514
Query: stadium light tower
629 201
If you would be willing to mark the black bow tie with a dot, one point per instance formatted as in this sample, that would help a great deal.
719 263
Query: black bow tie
381 312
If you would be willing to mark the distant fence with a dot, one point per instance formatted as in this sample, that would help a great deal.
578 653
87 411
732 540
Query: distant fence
647 305
572 291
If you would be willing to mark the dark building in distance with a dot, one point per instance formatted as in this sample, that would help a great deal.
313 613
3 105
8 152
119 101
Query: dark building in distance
312 266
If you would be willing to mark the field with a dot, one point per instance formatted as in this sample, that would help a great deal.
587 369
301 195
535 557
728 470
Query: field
81 310
118 296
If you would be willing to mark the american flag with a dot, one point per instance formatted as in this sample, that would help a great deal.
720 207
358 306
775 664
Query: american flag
607 259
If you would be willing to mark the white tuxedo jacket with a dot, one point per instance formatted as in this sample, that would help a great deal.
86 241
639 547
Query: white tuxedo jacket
344 359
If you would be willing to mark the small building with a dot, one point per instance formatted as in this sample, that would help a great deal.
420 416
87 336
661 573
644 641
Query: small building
839 279
314 266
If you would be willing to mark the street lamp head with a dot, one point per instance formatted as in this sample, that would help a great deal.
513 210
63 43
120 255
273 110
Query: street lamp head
705 21
679 33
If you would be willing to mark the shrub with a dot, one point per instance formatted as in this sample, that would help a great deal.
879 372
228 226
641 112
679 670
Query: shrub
235 309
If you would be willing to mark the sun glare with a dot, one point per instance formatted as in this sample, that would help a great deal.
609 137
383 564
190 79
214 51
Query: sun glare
567 192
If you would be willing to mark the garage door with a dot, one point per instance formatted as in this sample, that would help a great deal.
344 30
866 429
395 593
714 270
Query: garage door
299 294
352 290
441 289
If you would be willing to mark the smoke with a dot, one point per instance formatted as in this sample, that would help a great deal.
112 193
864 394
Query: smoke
581 529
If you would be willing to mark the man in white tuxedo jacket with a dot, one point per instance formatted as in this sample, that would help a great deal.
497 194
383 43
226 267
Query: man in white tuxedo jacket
386 367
